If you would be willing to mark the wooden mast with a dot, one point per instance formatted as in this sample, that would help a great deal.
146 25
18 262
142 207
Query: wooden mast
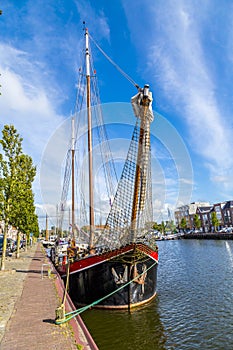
138 176
137 180
72 177
90 161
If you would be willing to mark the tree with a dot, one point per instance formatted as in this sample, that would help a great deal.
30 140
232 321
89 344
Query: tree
155 226
196 221
24 209
159 227
170 226
162 228
16 176
214 220
183 223
11 145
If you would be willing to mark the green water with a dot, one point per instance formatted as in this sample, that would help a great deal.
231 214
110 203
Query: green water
193 308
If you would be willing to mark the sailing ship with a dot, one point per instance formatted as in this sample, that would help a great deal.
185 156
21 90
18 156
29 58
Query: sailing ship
114 265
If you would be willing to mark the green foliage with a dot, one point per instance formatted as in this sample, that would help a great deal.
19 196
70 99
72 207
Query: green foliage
170 226
159 227
162 230
214 220
16 177
155 226
196 221
183 223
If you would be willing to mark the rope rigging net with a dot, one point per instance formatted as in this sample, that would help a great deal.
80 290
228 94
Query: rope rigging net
118 229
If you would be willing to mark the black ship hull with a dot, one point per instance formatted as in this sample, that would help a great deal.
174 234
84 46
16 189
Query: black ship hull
128 279
95 283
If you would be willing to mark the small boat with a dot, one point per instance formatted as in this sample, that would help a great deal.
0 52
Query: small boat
112 265
48 244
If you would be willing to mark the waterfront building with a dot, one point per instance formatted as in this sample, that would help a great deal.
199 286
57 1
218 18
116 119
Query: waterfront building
188 211
223 210
204 214
227 213
218 208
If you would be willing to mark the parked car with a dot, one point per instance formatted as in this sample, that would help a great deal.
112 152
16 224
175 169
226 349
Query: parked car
10 246
226 230
195 231
189 231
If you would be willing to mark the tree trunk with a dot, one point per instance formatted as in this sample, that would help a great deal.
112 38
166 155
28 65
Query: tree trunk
4 246
18 244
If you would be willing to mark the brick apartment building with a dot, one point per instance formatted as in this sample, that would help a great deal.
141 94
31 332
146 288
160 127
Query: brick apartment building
204 210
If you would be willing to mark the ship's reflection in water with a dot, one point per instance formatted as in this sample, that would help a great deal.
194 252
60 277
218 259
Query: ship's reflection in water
116 330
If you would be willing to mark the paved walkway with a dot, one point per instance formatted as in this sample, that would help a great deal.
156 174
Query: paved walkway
33 300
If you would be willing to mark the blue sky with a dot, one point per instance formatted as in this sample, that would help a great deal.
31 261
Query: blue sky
182 48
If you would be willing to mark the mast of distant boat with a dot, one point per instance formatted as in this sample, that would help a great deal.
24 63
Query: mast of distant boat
90 160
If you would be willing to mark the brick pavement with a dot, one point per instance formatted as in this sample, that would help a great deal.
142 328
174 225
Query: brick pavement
13 275
32 323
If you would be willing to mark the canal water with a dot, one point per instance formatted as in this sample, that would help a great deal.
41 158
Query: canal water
193 308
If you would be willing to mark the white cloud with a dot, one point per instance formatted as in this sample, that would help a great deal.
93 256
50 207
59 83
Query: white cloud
33 116
25 103
180 60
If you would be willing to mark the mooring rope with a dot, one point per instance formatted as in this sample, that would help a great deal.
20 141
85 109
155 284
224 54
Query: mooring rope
72 314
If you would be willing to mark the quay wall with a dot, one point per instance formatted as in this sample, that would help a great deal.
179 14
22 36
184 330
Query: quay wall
217 235
81 333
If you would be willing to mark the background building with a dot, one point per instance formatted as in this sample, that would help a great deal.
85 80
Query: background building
204 210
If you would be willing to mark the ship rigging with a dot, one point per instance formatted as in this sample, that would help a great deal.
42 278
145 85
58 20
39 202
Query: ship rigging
120 251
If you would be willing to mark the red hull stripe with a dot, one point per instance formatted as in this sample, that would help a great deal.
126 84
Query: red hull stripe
91 261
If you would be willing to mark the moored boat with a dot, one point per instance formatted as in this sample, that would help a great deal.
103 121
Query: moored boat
115 267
